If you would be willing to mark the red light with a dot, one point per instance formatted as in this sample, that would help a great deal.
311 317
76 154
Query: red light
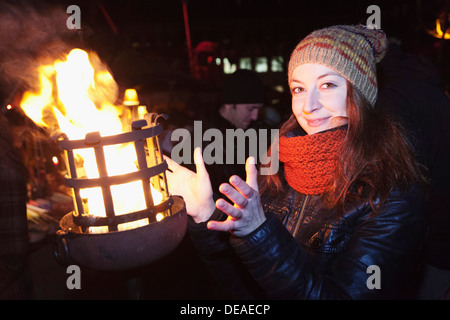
55 160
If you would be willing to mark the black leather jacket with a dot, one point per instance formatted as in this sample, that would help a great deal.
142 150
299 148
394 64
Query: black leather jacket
304 251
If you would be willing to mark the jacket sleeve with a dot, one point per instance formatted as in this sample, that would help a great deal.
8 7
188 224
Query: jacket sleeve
390 241
222 262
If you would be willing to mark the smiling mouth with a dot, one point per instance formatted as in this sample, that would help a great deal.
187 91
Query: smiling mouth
316 122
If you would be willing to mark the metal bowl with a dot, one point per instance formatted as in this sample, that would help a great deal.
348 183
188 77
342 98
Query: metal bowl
121 250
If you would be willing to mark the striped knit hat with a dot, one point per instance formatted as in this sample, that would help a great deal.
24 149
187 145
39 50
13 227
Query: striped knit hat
352 51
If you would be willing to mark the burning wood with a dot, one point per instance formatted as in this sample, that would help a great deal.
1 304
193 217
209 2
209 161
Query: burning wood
66 101
115 167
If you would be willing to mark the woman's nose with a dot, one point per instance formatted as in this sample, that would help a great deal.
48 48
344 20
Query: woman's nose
311 102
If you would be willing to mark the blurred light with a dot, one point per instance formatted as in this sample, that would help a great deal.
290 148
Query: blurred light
439 33
261 64
218 61
55 160
228 67
278 88
245 63
276 64
9 107
142 110
130 98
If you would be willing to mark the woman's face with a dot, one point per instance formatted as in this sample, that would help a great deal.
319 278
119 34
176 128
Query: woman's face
319 97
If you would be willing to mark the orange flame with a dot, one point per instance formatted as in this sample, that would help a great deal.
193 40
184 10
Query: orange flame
78 98
438 32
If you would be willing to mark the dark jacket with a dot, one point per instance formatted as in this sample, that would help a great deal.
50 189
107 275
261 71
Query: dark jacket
221 171
304 251
409 89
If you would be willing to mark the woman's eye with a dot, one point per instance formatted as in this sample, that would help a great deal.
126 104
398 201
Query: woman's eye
328 85
297 90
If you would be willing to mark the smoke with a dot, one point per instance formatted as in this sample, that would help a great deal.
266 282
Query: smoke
31 34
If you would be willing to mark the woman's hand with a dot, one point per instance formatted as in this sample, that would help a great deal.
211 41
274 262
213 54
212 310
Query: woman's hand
247 214
195 188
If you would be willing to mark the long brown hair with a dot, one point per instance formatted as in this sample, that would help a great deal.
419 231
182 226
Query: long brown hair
376 156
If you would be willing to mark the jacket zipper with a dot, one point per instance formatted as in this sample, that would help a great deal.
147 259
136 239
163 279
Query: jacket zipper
300 216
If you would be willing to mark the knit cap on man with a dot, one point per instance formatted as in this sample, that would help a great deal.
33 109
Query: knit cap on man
352 51
243 86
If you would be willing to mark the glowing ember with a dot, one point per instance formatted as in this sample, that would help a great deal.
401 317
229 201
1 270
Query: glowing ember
78 98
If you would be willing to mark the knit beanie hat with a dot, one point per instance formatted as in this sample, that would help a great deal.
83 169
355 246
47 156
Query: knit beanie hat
350 50
243 86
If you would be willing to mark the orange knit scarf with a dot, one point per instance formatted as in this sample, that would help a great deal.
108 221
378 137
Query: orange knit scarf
310 160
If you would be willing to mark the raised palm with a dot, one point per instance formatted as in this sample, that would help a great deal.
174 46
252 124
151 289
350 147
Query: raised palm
195 188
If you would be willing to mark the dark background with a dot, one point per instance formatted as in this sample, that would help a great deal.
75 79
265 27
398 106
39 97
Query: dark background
144 45
144 42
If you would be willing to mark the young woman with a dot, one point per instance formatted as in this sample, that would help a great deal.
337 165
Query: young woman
342 217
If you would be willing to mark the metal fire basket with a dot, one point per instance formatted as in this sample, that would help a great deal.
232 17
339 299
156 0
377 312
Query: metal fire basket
115 249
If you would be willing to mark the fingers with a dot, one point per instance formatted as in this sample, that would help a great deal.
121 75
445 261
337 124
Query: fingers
199 163
252 172
234 194
172 167
242 186
227 225
239 193
171 164
244 215
230 210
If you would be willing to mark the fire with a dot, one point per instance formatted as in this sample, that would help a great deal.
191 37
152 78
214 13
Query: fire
78 98
438 32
